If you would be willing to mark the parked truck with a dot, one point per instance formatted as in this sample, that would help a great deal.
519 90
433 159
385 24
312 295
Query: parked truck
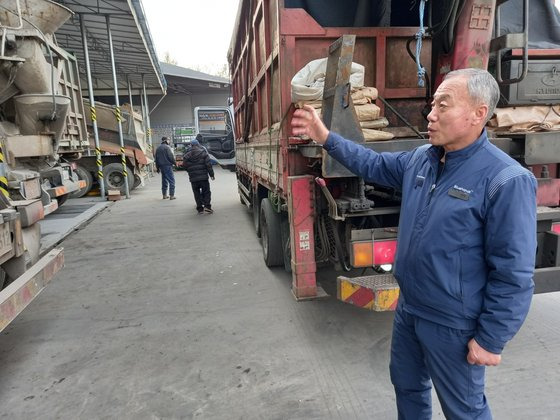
213 125
137 151
39 110
216 129
311 211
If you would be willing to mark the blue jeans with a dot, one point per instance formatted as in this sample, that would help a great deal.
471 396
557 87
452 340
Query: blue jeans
167 180
423 352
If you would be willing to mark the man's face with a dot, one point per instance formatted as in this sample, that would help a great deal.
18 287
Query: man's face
455 121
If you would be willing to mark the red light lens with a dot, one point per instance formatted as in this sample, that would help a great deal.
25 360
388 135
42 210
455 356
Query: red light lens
384 252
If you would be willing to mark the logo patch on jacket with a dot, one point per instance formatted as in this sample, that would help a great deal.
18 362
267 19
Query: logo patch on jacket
419 181
459 192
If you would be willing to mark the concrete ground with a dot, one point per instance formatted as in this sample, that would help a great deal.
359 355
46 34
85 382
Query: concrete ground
162 313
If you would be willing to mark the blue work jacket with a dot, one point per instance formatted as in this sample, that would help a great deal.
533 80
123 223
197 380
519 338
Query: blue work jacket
467 237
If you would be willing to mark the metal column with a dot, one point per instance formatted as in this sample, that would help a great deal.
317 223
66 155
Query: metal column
98 160
118 113
130 94
148 125
145 126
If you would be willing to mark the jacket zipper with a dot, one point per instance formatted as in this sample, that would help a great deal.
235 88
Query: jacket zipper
427 208
435 184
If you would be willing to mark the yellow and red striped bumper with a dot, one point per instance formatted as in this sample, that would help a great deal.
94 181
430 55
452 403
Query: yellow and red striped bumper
376 293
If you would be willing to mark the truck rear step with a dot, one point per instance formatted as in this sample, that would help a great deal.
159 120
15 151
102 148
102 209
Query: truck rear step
378 292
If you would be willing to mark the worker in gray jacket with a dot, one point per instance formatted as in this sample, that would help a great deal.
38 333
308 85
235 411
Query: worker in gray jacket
165 160
466 246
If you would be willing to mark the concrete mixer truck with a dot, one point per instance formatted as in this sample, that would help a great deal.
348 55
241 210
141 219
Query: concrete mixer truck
40 107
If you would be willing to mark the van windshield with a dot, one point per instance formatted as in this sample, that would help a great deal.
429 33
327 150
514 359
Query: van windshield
214 121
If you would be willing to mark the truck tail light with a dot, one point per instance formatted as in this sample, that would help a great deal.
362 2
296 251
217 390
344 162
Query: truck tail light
367 254
556 227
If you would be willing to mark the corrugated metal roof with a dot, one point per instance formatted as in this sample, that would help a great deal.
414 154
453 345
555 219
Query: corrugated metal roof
132 43
173 70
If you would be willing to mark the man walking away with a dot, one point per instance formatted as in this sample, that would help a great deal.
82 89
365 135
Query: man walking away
164 164
197 163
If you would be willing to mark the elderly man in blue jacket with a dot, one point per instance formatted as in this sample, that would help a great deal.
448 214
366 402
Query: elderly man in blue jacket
466 246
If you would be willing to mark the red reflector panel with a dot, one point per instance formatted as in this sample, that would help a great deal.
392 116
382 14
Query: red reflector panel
383 253
556 227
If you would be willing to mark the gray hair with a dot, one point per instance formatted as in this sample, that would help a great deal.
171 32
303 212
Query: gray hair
482 87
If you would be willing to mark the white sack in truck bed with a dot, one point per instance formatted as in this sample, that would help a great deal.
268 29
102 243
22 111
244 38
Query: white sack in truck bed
526 118
307 84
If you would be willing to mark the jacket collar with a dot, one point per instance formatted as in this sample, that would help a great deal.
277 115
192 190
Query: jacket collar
435 153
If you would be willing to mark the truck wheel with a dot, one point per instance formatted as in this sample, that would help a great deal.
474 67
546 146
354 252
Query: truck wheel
286 248
85 175
114 178
257 214
271 235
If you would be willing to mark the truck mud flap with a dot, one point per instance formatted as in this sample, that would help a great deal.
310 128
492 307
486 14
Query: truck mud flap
378 292
18 294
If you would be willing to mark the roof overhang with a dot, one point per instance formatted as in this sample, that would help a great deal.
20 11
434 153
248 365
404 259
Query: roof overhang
135 56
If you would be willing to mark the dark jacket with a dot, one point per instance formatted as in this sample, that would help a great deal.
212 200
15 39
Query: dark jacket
467 239
164 156
197 163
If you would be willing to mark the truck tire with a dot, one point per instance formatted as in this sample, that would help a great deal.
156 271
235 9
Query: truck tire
85 175
271 235
256 207
114 178
286 247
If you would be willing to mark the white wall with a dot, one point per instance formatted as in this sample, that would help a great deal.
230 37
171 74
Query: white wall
174 109
177 109
219 99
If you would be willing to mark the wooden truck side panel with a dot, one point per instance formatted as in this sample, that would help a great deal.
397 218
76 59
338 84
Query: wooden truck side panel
270 48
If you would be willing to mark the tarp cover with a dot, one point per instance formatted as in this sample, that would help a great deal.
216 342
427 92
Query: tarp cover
544 22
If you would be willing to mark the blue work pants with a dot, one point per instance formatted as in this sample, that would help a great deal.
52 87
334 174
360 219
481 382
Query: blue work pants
167 180
422 353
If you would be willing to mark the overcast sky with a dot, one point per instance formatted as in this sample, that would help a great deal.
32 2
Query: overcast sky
196 33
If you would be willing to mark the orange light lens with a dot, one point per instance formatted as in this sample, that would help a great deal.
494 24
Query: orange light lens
383 253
